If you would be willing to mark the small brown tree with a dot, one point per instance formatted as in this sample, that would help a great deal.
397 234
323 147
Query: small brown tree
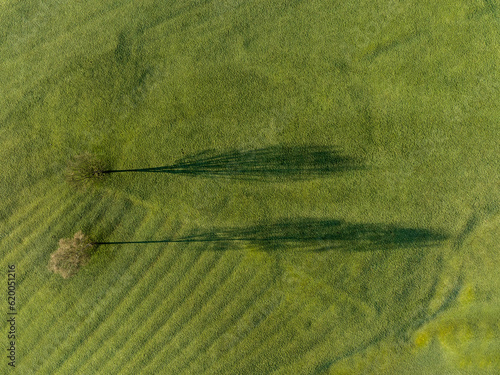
72 254
84 170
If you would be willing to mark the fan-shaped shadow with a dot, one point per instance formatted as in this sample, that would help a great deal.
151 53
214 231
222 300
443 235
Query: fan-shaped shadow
312 235
296 162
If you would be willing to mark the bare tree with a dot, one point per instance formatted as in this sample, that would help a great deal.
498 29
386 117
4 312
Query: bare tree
72 254
84 170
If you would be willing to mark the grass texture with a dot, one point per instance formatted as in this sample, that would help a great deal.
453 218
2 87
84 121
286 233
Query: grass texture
332 204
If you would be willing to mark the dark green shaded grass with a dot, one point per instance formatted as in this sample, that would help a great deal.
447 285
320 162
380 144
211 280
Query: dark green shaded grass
264 164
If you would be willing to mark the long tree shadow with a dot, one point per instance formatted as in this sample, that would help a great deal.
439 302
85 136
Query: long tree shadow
291 162
311 235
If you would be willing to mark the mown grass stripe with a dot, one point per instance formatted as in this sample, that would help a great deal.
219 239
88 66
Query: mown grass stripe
92 304
182 331
30 222
206 330
122 309
84 213
28 213
148 349
192 279
41 248
39 234
87 336
220 352
77 210
230 362
266 358
144 305
25 212
202 320
205 57
183 264
63 284
31 247
142 316
254 313
32 304
31 310
184 315
252 317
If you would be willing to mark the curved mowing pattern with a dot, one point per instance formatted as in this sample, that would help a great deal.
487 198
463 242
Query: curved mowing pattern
221 307
212 307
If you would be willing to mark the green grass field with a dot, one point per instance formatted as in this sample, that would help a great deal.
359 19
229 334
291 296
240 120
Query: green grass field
411 88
